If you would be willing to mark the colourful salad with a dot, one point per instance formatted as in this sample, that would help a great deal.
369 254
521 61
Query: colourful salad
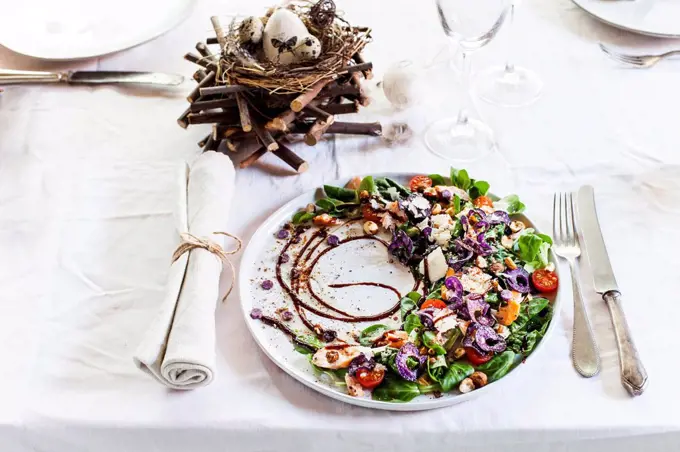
478 305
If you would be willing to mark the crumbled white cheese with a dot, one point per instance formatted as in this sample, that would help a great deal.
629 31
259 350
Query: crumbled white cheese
442 227
423 224
393 193
374 204
420 203
436 265
476 281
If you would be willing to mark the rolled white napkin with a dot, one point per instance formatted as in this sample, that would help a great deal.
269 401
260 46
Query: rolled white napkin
179 347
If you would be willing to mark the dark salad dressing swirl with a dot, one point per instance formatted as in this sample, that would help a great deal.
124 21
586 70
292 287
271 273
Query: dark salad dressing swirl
302 269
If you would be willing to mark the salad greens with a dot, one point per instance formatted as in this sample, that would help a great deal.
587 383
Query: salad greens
478 308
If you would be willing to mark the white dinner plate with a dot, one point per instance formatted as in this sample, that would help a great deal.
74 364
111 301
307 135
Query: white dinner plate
75 29
359 263
659 18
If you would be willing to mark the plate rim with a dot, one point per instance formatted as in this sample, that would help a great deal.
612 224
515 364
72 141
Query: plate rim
429 404
186 12
581 5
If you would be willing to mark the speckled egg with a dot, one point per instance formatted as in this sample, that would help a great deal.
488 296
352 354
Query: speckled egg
282 34
251 30
308 49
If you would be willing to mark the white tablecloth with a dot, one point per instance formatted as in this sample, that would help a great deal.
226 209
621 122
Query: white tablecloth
85 235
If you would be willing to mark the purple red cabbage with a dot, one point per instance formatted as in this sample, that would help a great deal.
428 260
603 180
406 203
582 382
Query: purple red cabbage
454 288
498 217
506 295
427 318
408 350
517 279
415 214
401 246
484 339
361 362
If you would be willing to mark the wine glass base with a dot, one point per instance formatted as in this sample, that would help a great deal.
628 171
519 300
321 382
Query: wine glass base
508 87
460 141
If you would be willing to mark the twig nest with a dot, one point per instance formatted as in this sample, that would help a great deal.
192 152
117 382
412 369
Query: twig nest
323 13
251 30
286 40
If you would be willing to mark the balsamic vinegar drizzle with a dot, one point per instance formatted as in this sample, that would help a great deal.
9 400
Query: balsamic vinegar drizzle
301 271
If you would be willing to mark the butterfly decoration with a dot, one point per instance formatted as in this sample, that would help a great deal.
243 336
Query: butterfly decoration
284 46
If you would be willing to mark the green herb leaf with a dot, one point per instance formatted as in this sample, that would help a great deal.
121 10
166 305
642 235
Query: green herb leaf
302 217
454 335
533 249
310 339
370 334
492 298
407 305
412 322
343 194
456 203
437 368
456 373
429 341
498 366
368 185
510 204
536 305
463 180
394 389
326 204
438 179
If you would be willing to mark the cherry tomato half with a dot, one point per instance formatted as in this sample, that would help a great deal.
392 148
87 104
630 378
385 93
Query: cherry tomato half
475 357
433 303
420 183
369 214
370 378
545 280
483 201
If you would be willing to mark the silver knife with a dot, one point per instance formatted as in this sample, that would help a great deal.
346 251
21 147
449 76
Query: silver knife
633 373
12 77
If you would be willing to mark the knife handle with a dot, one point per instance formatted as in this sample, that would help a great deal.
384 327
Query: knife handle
633 373
12 77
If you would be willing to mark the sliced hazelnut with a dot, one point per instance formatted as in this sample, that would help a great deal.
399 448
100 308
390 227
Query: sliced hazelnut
497 267
332 356
466 386
364 194
459 353
310 208
451 211
516 226
510 263
370 228
354 183
507 242
436 209
481 262
479 379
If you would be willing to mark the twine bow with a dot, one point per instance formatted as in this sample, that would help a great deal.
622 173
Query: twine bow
190 242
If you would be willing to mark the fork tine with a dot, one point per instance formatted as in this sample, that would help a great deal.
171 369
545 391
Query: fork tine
573 219
562 238
555 237
627 59
565 220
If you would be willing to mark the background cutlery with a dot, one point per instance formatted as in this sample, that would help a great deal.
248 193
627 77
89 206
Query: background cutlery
12 77
642 61
633 373
584 353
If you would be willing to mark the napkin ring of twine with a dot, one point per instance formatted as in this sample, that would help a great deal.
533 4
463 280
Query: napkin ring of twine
190 242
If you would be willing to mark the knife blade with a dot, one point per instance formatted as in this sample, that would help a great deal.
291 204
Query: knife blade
603 274
633 373
118 77
14 77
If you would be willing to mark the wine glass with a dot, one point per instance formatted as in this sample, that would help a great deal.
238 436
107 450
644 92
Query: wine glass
509 86
471 25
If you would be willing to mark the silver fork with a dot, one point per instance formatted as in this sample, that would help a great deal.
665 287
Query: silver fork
642 61
584 352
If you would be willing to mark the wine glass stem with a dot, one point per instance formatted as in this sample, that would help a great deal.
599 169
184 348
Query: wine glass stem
509 66
468 105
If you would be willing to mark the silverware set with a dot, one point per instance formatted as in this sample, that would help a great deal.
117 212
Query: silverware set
585 354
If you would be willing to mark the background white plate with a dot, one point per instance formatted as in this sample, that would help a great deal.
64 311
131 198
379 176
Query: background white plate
659 18
258 264
74 29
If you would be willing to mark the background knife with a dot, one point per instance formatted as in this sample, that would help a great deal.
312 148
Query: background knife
12 77
633 373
